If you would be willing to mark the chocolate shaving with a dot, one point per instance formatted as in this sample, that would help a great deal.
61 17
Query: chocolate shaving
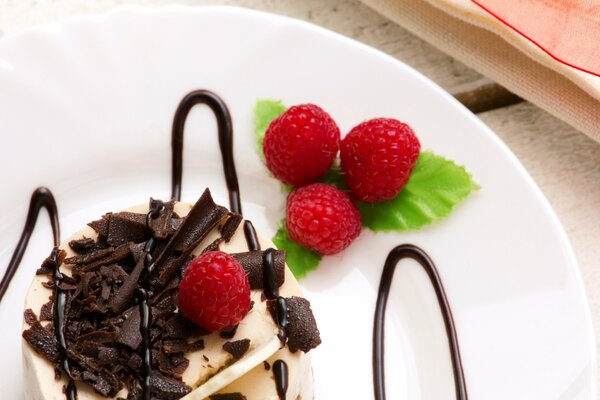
129 334
125 227
162 226
46 311
137 251
48 265
122 298
83 245
252 261
101 226
202 218
227 396
182 346
230 226
237 348
302 332
41 339
166 388
113 256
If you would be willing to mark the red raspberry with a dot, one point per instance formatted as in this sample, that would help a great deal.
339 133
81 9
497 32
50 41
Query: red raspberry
301 144
377 158
214 292
322 218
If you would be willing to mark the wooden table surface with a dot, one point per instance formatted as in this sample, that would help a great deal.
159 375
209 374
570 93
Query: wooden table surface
563 162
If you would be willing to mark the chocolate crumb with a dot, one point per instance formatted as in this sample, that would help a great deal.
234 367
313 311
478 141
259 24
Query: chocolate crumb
266 365
237 348
205 358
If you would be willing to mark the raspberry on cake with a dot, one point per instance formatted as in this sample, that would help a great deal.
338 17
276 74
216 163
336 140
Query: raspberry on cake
377 158
104 263
214 292
301 144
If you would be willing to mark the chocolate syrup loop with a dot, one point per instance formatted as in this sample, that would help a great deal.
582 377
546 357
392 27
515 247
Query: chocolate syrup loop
417 254
41 198
218 107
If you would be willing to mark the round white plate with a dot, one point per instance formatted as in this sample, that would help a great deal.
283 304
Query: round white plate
86 109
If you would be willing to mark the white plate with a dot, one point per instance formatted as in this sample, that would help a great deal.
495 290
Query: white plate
86 108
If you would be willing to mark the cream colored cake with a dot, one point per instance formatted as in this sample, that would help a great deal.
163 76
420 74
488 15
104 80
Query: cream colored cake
212 369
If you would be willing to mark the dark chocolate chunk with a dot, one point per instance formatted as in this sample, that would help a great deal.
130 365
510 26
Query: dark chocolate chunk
166 388
125 227
266 365
227 396
42 340
182 346
161 226
110 256
129 334
230 226
30 317
229 333
302 331
83 245
178 327
90 257
137 251
202 218
252 261
46 311
122 298
237 348
108 355
101 226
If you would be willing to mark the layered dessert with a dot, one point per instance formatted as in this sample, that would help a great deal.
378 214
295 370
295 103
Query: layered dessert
115 348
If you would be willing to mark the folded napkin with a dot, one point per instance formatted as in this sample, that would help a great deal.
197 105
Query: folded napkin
546 51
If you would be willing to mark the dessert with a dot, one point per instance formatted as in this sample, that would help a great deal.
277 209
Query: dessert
102 265
113 310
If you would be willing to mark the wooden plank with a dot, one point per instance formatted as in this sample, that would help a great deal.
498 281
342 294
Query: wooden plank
484 95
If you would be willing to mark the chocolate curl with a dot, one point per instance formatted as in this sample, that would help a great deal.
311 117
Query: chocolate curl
252 261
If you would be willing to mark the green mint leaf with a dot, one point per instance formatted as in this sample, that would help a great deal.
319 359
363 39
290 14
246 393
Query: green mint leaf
434 188
300 259
265 111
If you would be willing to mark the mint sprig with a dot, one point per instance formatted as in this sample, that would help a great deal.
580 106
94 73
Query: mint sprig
300 259
265 111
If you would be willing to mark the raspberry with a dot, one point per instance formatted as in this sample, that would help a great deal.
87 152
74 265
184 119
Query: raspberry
301 144
377 158
214 292
322 218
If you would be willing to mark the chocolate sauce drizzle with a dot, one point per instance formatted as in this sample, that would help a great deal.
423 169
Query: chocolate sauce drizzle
280 372
225 131
145 311
417 254
42 198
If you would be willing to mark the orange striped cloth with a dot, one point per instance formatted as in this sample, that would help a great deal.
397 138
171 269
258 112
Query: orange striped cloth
546 51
